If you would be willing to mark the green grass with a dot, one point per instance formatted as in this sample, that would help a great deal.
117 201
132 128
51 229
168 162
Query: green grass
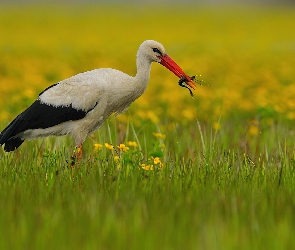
207 196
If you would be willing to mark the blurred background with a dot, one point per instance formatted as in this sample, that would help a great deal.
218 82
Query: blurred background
242 53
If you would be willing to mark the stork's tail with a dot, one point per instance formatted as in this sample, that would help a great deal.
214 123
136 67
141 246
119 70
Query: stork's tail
9 138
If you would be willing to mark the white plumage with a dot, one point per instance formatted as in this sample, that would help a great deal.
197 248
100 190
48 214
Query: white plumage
80 104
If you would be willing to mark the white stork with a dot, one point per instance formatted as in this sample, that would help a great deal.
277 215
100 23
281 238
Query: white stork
80 104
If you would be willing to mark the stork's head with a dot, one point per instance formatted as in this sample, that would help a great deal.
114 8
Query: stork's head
155 52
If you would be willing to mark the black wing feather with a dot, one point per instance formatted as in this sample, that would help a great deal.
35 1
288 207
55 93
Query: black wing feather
38 115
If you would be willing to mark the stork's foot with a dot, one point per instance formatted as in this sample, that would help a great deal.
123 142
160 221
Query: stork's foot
76 157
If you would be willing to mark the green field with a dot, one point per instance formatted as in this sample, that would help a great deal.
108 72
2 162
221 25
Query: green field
213 172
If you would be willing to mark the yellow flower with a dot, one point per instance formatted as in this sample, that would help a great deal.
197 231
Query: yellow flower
116 158
153 117
109 146
147 167
4 115
159 135
97 146
30 93
254 128
216 125
122 147
132 144
157 160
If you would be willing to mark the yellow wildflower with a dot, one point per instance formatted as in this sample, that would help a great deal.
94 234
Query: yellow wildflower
216 125
4 115
159 135
109 146
189 114
254 127
97 146
30 93
122 147
147 167
132 144
116 158
152 116
157 160
253 130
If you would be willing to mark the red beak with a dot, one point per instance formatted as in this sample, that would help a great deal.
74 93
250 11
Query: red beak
172 66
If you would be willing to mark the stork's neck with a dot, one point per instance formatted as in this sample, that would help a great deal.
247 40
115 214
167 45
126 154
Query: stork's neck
143 70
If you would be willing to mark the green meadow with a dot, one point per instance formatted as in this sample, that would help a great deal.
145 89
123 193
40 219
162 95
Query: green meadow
216 171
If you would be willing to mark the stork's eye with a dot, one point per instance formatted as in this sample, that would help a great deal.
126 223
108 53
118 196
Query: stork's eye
157 51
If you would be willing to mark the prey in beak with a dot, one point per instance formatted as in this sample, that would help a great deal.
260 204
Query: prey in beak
184 81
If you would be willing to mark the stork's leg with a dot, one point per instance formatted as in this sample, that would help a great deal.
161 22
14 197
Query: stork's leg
77 156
